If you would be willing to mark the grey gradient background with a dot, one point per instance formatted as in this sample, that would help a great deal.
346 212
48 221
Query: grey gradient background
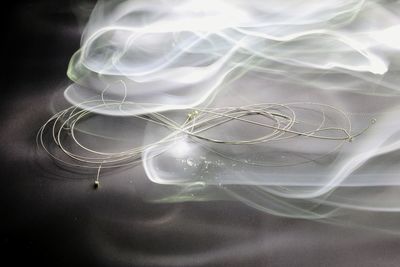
51 217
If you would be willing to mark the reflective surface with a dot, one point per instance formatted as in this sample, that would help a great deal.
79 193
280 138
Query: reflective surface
54 217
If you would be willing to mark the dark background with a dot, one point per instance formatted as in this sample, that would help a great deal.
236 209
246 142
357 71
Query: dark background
51 219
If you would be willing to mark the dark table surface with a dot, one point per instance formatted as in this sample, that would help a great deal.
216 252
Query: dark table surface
52 220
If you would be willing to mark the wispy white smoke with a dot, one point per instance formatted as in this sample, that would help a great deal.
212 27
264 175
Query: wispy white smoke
174 54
